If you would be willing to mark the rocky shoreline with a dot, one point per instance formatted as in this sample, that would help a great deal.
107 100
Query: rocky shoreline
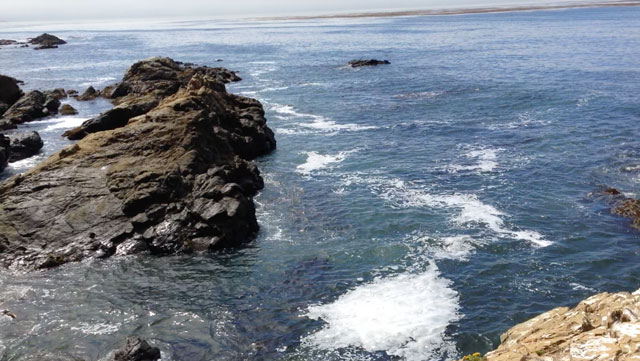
167 171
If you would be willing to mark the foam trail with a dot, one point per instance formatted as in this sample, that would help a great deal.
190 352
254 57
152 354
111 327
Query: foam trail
64 123
317 122
405 315
486 161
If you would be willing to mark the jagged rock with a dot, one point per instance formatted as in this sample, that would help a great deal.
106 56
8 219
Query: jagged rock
623 206
45 39
603 327
370 62
90 94
144 84
67 109
24 146
57 94
137 349
9 92
175 179
5 147
33 105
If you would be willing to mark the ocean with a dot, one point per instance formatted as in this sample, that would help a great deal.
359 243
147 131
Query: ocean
412 211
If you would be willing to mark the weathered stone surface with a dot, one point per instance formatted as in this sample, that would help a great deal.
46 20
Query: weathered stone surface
24 146
67 109
604 327
370 62
137 349
47 39
4 151
146 83
175 179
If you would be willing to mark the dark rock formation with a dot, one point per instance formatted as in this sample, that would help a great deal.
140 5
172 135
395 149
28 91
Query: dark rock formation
9 92
67 109
90 94
24 146
143 86
370 62
56 94
46 46
7 42
137 349
31 106
175 179
5 147
623 206
47 39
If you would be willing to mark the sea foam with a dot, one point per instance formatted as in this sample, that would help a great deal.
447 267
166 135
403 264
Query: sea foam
316 161
405 315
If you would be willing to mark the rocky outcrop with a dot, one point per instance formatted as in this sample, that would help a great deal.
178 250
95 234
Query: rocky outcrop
144 85
370 62
175 179
67 109
5 146
9 92
137 349
622 205
603 327
46 41
33 105
24 146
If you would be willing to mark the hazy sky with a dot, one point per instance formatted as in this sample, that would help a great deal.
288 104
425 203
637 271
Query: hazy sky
19 10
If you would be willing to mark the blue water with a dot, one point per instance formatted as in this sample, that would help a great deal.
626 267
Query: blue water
413 211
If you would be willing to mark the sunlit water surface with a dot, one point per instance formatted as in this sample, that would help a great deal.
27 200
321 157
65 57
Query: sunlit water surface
413 211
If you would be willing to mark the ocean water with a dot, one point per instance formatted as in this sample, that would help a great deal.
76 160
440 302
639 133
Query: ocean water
413 211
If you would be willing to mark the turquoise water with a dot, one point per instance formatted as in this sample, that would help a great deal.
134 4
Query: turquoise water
413 211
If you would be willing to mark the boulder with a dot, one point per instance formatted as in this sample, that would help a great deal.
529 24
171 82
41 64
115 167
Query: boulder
602 327
9 92
47 39
24 146
137 349
90 94
33 105
177 178
4 151
67 109
370 62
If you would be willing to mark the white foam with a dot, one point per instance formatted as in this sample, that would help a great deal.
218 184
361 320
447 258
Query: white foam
458 247
64 123
316 161
405 315
317 122
486 161
470 209
97 81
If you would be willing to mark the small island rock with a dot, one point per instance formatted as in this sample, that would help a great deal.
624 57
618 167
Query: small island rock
370 62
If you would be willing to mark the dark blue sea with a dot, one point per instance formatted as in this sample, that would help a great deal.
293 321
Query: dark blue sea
413 211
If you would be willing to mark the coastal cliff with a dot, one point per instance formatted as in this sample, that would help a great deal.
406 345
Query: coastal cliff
167 171
603 327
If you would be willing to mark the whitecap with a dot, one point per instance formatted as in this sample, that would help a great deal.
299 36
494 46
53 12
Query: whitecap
405 315
64 123
486 161
316 161
317 122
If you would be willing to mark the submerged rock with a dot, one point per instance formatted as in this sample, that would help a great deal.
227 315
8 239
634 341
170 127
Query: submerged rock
602 327
137 349
370 62
24 146
176 178
67 109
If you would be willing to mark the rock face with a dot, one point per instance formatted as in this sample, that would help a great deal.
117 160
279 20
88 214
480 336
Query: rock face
9 92
4 151
176 178
24 146
67 109
603 327
370 62
137 349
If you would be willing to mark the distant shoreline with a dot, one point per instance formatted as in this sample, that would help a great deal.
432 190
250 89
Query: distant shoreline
485 10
